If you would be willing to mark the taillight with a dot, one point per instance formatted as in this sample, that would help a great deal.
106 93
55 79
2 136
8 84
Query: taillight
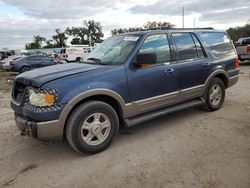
248 49
12 63
236 62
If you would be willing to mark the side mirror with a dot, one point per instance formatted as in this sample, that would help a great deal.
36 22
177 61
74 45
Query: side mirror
145 59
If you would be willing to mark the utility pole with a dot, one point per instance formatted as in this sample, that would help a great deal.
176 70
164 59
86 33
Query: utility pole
194 23
183 15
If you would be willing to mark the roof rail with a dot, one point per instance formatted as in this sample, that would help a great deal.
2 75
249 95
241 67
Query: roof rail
201 28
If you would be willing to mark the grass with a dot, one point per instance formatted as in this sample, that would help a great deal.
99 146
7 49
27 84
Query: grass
6 80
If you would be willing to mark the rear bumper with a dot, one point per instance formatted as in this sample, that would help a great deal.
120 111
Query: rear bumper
233 80
244 57
49 130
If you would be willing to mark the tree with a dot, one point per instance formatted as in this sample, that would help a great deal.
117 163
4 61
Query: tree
79 35
89 33
60 38
147 26
36 44
239 32
94 31
49 44
157 25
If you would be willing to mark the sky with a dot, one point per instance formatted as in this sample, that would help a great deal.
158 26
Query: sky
20 19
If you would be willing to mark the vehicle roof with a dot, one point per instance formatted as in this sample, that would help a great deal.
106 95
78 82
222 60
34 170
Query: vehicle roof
145 32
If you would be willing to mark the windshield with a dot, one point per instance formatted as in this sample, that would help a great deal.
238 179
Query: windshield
114 50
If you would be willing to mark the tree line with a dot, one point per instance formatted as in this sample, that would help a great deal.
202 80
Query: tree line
239 32
91 32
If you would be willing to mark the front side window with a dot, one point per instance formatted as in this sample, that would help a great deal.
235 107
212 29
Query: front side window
185 46
159 45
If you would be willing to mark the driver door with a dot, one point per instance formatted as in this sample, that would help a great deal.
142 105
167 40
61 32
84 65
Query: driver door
154 86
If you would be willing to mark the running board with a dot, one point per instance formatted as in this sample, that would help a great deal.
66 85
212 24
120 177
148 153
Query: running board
162 112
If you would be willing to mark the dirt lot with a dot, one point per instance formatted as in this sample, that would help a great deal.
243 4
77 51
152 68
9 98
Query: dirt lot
191 148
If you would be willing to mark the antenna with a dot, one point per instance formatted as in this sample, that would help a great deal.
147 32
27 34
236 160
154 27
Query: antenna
183 16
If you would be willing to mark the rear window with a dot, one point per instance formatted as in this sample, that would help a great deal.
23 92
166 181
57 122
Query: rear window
218 42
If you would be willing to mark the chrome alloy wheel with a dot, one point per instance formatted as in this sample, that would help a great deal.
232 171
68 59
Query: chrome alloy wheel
215 94
95 129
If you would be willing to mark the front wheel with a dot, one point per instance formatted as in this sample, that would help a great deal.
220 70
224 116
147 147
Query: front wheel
215 94
92 126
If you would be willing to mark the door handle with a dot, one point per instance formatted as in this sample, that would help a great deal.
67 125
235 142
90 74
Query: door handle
206 64
169 71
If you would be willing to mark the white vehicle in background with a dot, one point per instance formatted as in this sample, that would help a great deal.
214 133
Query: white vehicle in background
75 52
243 48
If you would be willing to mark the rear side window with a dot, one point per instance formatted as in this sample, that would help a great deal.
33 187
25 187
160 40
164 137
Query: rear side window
218 42
185 46
199 49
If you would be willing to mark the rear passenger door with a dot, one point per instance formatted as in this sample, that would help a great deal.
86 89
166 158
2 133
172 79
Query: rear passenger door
47 61
191 63
34 61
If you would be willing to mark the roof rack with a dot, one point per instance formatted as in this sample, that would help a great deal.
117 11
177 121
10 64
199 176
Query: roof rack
200 28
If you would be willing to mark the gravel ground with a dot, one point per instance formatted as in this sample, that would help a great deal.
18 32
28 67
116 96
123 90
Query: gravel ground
190 148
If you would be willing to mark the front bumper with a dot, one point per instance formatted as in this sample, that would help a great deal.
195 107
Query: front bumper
49 130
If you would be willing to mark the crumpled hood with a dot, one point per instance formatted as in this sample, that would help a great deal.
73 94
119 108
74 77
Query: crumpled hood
41 76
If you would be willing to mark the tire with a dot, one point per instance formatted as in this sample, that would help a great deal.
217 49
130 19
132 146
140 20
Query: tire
214 95
78 59
91 127
24 69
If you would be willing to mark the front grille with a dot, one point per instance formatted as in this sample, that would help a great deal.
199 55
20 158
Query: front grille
18 92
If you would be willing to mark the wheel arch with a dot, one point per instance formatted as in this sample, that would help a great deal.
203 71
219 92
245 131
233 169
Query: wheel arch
221 74
108 96
24 66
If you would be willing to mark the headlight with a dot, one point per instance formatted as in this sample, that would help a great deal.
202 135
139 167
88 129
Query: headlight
42 98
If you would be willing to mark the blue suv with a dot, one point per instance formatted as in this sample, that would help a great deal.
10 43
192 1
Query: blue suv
128 79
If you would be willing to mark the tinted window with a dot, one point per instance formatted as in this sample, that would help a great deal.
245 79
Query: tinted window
246 41
185 46
47 58
218 42
157 44
31 58
199 49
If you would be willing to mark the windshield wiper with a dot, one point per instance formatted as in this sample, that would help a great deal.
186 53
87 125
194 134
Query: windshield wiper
97 61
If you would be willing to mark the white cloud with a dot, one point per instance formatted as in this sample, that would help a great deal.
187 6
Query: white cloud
43 17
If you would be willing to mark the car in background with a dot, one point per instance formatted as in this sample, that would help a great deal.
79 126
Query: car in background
6 63
243 48
3 55
32 62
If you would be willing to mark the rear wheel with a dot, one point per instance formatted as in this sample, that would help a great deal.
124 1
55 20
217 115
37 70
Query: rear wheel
24 69
92 127
215 95
78 59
